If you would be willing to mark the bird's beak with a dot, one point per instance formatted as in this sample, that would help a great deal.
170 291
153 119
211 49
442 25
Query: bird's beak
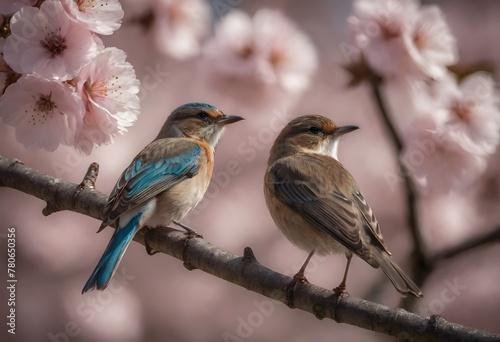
339 131
229 119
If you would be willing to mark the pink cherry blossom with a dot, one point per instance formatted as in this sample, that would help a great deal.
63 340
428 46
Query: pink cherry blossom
398 38
100 16
11 6
180 25
455 128
232 51
289 55
433 155
473 117
268 49
430 43
44 113
109 89
46 42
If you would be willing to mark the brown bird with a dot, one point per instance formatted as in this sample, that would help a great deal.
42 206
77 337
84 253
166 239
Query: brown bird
318 206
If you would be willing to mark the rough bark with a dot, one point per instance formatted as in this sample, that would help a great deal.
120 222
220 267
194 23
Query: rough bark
244 270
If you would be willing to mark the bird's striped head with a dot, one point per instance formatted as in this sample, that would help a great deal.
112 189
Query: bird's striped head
197 120
313 133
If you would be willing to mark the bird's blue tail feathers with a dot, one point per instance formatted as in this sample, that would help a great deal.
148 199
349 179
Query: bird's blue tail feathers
111 257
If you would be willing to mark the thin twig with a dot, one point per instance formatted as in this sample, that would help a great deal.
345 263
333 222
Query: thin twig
467 245
244 271
90 177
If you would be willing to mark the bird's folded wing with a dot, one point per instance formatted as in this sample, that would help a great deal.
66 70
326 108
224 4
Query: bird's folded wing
162 164
318 199
369 220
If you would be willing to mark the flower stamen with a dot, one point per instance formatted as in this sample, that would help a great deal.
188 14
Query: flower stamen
43 109
54 43
277 57
247 51
84 5
45 104
389 30
462 111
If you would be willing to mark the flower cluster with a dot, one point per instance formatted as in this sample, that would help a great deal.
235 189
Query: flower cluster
262 49
71 89
401 39
267 49
451 127
455 129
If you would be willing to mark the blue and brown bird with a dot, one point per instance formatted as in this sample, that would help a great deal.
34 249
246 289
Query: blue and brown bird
163 183
318 206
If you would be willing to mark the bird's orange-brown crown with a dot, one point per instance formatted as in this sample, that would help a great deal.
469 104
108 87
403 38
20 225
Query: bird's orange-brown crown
305 122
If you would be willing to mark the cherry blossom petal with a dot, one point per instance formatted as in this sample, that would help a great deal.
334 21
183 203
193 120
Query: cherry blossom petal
45 113
46 42
280 42
109 88
432 45
399 39
473 117
100 16
267 49
231 51
433 154
180 25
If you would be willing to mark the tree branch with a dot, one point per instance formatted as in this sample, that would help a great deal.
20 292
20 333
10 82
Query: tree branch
423 262
58 194
422 265
244 271
480 240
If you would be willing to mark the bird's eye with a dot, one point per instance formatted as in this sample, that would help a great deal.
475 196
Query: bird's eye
315 130
203 115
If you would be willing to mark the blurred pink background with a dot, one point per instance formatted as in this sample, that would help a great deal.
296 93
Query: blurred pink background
164 301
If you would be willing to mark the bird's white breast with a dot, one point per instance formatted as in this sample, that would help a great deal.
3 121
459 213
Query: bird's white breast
179 200
330 148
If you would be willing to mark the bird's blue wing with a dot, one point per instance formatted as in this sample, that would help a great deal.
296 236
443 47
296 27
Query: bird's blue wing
162 164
